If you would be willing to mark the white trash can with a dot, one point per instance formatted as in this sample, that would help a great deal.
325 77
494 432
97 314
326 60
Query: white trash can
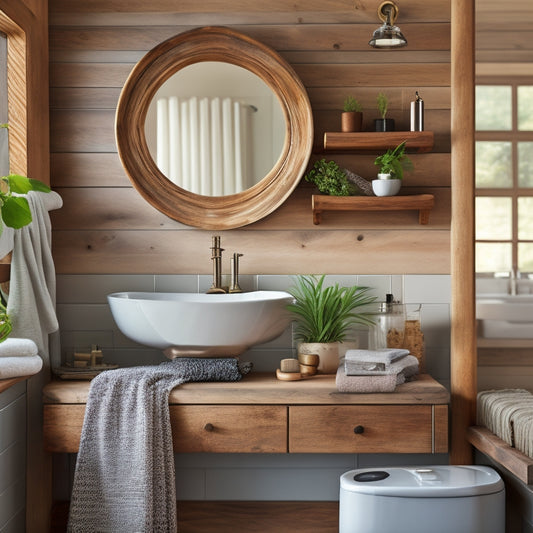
436 499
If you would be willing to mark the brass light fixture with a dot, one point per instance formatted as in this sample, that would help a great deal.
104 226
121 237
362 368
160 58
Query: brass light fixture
388 35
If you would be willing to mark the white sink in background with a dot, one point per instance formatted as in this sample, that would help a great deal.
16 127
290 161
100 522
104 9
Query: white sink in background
505 316
201 325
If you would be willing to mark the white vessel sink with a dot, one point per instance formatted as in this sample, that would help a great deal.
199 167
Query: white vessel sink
201 325
505 316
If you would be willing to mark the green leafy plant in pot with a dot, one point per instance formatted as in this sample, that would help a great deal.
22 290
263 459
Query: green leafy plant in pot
352 115
391 168
383 123
324 316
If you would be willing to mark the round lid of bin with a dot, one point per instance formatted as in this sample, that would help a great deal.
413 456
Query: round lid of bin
424 481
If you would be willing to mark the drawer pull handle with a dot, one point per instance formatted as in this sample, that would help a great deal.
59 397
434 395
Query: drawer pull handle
209 427
358 430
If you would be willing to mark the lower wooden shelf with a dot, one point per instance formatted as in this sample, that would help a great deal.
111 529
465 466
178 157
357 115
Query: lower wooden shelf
514 460
423 203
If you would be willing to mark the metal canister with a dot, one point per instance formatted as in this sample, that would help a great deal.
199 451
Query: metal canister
417 113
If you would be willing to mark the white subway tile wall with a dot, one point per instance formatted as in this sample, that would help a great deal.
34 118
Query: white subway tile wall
85 319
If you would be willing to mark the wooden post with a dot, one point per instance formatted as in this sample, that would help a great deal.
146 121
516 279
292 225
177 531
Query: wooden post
463 336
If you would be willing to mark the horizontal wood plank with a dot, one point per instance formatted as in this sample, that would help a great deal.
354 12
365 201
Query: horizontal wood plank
415 141
513 460
124 209
417 10
264 388
428 36
73 169
230 516
93 130
320 97
9 382
267 252
87 170
422 203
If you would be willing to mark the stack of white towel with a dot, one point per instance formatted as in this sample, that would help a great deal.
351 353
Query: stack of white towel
375 370
19 357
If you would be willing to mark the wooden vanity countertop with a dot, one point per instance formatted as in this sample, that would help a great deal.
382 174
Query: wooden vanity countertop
264 388
9 382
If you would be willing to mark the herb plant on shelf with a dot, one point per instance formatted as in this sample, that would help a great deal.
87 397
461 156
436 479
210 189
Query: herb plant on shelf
352 115
383 123
391 168
393 162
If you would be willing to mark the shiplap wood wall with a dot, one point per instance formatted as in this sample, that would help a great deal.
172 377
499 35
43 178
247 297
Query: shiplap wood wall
106 227
503 37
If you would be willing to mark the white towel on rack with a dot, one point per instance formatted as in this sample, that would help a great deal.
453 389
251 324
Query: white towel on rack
31 303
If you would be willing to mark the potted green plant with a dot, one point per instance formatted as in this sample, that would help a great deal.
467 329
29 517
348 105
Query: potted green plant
383 123
391 167
324 316
330 179
352 115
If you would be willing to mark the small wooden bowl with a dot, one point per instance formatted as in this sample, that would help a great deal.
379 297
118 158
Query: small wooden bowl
307 370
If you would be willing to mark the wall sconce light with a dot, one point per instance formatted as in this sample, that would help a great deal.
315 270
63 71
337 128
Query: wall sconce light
388 35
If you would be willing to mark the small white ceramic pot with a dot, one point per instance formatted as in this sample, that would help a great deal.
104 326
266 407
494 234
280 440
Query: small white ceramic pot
386 187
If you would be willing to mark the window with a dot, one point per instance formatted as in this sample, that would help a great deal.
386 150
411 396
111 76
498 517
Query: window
504 176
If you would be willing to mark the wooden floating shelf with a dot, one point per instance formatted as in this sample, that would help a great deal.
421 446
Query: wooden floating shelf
419 141
514 460
423 203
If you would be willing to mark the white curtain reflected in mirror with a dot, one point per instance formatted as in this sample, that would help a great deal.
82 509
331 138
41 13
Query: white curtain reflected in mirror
215 129
207 138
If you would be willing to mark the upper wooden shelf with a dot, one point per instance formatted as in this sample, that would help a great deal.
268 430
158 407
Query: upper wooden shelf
423 203
419 141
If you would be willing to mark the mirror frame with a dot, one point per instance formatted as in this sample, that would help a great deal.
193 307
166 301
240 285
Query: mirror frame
213 212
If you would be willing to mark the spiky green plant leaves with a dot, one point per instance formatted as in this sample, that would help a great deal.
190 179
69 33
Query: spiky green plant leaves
325 314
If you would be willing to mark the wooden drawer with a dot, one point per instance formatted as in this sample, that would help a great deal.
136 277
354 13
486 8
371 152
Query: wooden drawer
229 428
361 429
195 428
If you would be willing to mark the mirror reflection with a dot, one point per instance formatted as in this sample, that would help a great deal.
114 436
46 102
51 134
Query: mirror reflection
215 129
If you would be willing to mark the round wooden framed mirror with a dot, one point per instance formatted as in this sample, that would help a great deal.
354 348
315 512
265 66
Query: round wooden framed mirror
222 211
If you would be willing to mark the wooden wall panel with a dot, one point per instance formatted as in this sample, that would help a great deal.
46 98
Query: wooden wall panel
503 33
105 226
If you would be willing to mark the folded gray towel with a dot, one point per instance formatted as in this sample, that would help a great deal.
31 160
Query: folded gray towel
125 478
402 371
372 360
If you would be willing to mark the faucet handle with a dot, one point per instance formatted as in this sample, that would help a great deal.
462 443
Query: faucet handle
234 285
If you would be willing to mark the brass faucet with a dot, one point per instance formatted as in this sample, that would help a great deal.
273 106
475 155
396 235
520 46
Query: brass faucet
216 257
234 285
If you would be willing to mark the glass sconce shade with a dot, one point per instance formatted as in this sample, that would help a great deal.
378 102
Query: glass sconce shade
388 35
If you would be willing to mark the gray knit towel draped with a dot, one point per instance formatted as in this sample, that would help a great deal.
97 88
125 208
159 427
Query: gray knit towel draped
125 477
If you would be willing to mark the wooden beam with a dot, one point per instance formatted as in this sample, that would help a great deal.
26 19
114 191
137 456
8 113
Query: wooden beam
463 324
